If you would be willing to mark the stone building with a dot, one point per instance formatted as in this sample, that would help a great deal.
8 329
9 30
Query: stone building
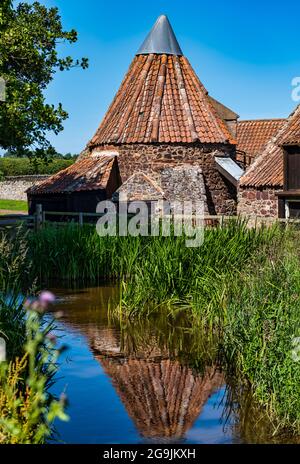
270 187
164 138
161 119
253 135
80 187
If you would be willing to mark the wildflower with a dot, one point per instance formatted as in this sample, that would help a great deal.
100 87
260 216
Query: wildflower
35 306
27 303
46 298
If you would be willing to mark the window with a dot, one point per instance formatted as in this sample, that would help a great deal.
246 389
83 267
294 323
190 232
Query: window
293 209
293 169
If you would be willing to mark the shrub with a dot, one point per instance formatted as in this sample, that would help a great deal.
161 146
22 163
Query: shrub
27 410
24 166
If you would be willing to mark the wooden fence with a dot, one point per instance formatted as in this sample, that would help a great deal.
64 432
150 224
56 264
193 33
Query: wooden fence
13 220
40 217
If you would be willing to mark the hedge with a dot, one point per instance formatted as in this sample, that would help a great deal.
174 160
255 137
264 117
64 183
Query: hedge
23 166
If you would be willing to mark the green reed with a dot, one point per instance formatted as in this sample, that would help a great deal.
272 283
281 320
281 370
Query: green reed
242 285
27 410
261 331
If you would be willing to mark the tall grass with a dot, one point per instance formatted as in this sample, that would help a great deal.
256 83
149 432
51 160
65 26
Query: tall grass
170 273
262 324
73 253
78 254
14 273
241 284
27 410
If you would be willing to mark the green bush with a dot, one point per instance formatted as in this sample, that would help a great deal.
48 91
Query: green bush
25 167
27 409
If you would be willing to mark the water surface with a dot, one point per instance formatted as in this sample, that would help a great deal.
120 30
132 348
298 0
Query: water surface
155 381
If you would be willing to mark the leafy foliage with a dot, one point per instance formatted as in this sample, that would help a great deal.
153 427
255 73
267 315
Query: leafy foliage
24 166
27 410
29 35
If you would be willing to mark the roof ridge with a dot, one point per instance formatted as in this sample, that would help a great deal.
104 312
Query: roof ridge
289 129
261 119
184 98
271 145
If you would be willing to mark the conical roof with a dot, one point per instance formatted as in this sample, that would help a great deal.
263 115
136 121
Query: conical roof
161 99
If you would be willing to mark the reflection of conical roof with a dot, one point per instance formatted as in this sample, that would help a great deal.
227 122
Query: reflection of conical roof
163 398
162 395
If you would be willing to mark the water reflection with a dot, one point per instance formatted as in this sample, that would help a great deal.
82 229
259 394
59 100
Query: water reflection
162 397
165 382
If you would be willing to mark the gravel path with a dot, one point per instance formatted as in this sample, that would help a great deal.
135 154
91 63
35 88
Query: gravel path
8 211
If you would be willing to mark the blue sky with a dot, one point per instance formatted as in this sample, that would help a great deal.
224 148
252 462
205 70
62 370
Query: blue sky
245 53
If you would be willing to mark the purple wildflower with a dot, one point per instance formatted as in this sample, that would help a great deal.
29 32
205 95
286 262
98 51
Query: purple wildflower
46 298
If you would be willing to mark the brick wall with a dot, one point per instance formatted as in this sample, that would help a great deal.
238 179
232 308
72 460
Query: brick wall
257 203
153 158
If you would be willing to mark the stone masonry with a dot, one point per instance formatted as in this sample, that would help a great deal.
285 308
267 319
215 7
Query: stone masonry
182 183
14 188
257 203
152 159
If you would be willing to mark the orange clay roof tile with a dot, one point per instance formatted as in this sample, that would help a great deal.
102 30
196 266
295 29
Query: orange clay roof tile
253 135
89 173
267 169
161 100
291 135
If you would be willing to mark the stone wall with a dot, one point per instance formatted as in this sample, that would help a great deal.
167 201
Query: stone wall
152 159
184 183
14 188
139 187
258 203
180 183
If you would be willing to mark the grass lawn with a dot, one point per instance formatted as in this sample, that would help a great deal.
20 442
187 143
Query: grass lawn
13 205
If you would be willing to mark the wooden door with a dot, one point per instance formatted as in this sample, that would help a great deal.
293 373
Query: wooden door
292 181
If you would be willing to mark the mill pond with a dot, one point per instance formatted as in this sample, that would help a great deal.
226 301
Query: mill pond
126 386
150 382
184 344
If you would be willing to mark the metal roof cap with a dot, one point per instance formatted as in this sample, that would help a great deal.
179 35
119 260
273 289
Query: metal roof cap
161 40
